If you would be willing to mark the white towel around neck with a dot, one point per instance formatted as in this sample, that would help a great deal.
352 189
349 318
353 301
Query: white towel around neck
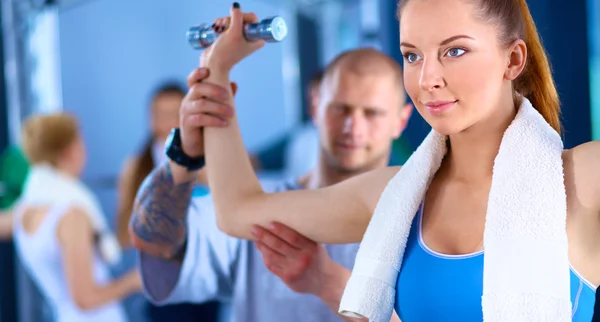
526 266
47 186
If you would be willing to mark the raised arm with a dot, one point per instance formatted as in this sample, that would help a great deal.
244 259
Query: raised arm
337 214
158 220
76 238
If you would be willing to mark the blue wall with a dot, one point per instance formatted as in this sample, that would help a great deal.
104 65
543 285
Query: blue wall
114 52
563 28
594 40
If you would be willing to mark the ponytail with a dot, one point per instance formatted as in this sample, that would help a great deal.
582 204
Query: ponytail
536 82
137 172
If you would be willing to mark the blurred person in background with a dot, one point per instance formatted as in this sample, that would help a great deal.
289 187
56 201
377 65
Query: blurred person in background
13 171
185 258
164 115
6 225
60 232
297 152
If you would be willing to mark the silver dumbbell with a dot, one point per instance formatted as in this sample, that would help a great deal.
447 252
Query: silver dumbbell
272 29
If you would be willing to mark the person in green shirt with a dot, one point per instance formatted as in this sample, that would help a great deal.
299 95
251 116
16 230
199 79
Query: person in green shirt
13 172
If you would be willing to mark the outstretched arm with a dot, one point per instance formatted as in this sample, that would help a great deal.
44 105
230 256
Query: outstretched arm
337 214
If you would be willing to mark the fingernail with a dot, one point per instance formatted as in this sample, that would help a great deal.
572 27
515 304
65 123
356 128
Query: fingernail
213 26
255 231
272 227
236 5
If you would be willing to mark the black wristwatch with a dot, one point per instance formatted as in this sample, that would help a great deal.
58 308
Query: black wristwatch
174 151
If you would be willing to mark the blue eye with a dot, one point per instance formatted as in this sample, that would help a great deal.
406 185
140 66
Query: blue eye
411 57
456 52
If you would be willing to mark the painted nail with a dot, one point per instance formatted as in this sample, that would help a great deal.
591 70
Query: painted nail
236 5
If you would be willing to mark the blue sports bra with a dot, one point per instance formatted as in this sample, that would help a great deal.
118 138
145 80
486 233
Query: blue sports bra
443 288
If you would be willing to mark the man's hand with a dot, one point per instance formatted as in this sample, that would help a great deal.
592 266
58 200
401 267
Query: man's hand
205 105
300 263
304 266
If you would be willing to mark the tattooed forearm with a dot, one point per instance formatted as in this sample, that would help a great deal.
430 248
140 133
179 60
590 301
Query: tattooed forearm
159 212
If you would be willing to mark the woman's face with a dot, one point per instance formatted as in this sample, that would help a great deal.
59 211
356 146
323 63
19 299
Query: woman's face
454 63
165 114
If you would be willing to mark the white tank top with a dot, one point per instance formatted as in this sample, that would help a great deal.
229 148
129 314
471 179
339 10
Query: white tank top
41 256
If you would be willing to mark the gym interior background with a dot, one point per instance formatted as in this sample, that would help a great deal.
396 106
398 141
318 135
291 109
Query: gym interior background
99 59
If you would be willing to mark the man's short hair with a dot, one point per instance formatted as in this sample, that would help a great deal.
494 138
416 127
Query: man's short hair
365 61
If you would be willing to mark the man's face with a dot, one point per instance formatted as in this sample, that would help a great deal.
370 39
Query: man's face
358 117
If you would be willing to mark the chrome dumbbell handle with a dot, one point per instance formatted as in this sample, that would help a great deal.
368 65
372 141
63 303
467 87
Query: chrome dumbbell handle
272 29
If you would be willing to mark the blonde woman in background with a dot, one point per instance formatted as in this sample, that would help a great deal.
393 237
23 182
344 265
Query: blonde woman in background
60 233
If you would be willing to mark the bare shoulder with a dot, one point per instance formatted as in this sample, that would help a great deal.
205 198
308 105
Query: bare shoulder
74 225
368 186
582 173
